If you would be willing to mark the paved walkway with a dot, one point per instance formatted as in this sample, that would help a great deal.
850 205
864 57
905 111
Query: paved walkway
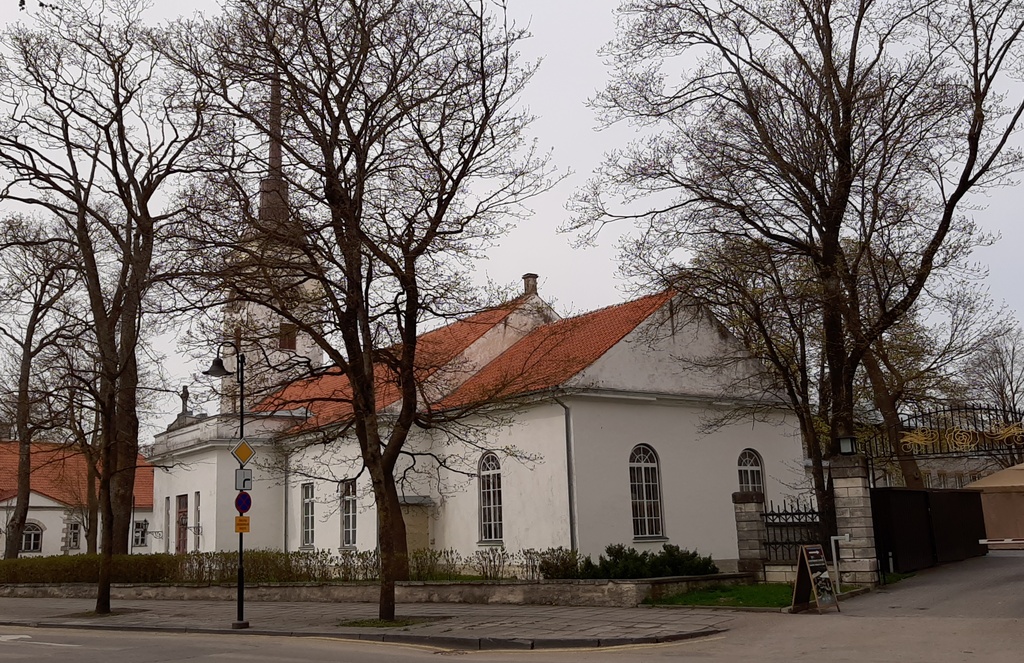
455 626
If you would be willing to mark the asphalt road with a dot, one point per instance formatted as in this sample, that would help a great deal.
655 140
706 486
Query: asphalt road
766 638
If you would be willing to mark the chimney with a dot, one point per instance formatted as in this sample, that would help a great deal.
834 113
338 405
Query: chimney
529 284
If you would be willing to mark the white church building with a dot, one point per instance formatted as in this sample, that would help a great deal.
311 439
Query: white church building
603 435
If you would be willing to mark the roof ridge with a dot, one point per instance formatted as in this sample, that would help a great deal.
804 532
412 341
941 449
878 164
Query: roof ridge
653 295
524 353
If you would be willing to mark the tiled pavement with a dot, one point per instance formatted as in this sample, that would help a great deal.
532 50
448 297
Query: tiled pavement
456 626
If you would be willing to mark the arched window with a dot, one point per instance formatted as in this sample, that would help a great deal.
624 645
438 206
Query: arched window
490 498
32 538
645 491
751 476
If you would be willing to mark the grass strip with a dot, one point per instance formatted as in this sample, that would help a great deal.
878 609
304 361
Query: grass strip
764 595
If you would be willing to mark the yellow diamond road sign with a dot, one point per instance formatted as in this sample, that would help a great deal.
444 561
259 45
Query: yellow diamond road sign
243 452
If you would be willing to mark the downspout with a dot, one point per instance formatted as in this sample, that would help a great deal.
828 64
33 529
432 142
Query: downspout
570 475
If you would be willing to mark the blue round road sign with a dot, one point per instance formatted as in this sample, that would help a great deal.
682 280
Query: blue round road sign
243 502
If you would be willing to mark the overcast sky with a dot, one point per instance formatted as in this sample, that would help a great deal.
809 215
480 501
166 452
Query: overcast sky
567 35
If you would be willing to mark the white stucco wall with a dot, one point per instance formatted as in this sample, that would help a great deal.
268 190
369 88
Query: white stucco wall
210 471
678 350
326 467
535 498
53 517
698 471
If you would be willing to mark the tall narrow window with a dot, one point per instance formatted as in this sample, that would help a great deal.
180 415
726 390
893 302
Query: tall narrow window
348 513
140 529
74 535
751 475
645 491
287 335
490 498
167 525
198 528
181 533
307 514
32 538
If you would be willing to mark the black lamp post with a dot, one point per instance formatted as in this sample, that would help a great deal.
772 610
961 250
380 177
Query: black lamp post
217 370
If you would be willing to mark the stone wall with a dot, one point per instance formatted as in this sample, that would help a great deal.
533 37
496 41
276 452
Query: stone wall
600 593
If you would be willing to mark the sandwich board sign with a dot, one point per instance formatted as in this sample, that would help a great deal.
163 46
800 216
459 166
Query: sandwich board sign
813 580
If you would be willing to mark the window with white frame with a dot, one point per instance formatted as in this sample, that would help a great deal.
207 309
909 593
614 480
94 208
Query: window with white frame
307 514
348 513
490 498
139 531
645 492
32 538
751 474
74 541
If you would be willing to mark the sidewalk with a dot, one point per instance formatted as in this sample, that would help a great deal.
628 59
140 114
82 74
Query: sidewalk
451 626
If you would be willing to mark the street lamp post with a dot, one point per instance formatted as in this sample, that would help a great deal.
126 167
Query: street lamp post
217 370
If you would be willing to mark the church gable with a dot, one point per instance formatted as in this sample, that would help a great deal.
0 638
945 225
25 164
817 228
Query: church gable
678 350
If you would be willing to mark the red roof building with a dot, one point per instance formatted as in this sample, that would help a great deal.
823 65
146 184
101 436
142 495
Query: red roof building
58 503
578 432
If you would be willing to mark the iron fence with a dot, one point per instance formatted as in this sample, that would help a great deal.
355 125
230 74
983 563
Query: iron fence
789 526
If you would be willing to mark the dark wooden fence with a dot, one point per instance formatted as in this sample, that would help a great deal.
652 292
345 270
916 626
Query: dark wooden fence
917 529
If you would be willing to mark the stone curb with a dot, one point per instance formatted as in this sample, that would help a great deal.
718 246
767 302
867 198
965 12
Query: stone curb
453 642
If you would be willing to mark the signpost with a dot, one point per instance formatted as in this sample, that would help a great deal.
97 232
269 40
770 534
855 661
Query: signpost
243 453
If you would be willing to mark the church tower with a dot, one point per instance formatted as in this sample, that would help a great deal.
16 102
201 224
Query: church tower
271 297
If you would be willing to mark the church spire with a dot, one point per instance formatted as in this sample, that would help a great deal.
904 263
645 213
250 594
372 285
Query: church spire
273 212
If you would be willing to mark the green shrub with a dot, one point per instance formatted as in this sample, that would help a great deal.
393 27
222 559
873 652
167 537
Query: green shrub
621 562
427 565
491 563
628 563
559 564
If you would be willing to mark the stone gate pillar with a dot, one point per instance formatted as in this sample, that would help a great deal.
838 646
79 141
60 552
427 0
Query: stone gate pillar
858 559
750 532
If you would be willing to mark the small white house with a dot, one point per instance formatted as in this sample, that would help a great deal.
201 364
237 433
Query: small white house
58 514
599 433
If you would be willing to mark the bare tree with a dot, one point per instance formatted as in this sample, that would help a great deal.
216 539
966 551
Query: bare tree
995 375
36 274
805 125
401 154
96 133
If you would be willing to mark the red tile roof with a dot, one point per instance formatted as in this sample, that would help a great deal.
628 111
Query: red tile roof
329 396
59 473
552 354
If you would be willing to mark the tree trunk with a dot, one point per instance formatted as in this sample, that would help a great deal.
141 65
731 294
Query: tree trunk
394 550
886 404
106 556
17 523
93 519
22 423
